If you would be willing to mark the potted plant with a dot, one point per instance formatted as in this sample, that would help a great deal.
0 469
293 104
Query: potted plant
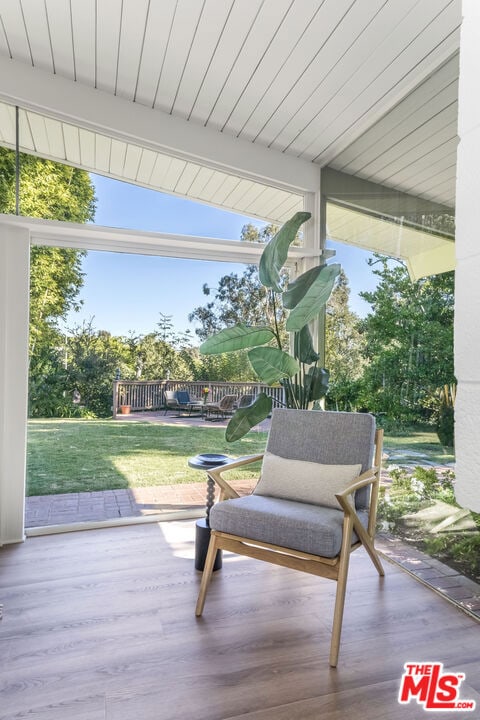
304 382
124 407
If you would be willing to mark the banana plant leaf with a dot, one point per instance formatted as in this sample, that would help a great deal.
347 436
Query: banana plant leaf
276 251
271 364
296 290
237 337
316 383
303 346
246 418
314 299
294 395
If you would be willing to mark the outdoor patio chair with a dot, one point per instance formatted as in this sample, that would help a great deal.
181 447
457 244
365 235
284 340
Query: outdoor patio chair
314 504
221 409
181 400
244 401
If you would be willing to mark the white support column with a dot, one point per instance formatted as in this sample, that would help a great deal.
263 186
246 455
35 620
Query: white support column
313 235
14 297
467 286
313 241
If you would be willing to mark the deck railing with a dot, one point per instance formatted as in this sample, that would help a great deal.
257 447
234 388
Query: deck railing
143 395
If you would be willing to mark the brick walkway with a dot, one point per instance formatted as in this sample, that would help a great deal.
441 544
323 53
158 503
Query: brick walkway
69 508
446 581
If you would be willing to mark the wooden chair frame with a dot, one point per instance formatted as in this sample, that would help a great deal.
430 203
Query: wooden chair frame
334 568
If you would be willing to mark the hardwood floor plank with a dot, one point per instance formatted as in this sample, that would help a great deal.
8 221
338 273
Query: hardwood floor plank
77 708
101 624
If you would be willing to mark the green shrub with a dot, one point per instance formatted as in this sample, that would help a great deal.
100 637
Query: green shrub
445 425
409 492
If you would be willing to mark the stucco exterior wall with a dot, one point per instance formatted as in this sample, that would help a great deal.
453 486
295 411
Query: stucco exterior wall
467 278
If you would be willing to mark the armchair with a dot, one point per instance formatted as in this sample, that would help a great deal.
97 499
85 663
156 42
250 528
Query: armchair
314 504
221 409
181 400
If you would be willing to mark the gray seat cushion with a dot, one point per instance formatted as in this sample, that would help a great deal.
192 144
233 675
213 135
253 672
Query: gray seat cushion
299 526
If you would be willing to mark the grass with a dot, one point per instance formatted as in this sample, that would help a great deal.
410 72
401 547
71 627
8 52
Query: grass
421 441
89 455
66 456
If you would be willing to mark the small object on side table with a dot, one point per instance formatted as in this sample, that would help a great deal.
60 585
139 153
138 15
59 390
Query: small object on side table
206 462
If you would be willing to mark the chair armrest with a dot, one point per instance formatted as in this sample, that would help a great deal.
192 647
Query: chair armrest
366 478
369 477
216 474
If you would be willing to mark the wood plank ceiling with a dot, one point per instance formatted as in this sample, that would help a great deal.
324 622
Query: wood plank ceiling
368 87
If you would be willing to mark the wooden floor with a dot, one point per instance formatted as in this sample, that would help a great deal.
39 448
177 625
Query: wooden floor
100 625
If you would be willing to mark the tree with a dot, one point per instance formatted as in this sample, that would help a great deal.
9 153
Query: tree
239 298
159 358
48 189
222 368
52 191
344 346
93 359
409 340
165 327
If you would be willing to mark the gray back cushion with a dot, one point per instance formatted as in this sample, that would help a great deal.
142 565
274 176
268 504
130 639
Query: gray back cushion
331 438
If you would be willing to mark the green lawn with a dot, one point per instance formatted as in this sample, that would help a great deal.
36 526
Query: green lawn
86 455
421 441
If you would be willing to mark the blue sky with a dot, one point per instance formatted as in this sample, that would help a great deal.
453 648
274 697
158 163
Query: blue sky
125 293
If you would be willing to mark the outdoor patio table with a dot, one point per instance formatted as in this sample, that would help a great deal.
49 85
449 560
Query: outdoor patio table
195 405
206 462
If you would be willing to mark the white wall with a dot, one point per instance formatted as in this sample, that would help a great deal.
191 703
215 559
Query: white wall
467 278
14 293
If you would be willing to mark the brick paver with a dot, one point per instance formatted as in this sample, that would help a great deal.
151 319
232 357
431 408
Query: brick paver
440 577
49 510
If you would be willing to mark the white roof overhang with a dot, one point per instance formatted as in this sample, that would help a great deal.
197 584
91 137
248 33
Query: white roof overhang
377 218
241 104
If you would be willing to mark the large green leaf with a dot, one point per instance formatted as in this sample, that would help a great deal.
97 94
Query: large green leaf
276 251
238 337
316 383
303 346
246 418
271 364
314 299
297 289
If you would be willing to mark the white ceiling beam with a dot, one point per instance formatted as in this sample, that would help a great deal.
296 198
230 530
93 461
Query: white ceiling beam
86 107
97 237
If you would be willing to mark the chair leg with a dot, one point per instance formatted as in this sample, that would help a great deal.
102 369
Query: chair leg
370 548
368 544
338 612
341 589
207 574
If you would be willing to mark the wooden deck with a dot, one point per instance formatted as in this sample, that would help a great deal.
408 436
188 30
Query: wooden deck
100 625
